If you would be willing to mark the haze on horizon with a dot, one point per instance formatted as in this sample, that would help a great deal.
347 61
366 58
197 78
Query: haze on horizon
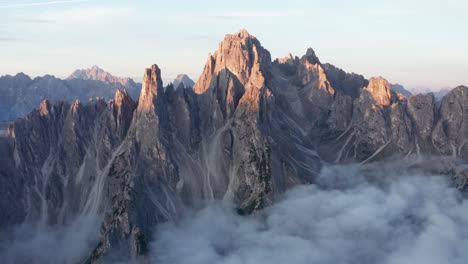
420 44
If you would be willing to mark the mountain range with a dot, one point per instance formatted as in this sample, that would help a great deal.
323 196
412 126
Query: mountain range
250 129
21 94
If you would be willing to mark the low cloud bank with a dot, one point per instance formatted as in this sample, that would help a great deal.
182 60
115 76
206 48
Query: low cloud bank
390 213
36 243
354 214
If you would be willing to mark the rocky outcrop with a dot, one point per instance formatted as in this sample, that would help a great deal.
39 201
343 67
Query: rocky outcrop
21 94
240 54
399 89
248 130
449 134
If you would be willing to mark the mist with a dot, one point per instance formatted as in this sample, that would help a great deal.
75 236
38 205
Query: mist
353 214
39 243
388 212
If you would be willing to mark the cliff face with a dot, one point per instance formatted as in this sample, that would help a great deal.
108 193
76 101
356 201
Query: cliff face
249 130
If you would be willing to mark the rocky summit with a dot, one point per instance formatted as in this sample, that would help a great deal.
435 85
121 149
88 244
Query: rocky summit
183 79
250 129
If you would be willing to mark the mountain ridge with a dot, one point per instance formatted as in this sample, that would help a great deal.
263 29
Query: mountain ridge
250 129
98 74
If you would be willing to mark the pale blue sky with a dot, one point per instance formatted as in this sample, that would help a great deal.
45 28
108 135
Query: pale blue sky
413 42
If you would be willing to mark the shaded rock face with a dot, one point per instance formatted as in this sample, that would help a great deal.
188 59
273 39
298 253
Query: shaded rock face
399 89
248 130
21 94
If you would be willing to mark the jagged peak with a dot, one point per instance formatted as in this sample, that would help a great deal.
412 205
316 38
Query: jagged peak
289 58
243 33
96 68
241 54
311 57
460 88
153 75
151 86
98 74
379 89
44 107
121 92
121 95
23 76
379 80
183 79
75 106
457 92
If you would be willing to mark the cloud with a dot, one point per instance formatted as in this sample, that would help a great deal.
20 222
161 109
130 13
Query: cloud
263 14
9 39
236 15
34 20
87 15
412 218
388 213
44 3
37 243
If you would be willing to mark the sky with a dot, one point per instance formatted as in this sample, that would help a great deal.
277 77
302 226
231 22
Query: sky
420 44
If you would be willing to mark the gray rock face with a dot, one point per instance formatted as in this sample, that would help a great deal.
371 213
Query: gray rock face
249 130
398 88
21 94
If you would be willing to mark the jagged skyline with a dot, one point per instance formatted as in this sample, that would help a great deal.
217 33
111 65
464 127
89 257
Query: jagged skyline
417 44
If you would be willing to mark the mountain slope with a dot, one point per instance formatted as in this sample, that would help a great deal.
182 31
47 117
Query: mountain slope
398 88
21 94
250 129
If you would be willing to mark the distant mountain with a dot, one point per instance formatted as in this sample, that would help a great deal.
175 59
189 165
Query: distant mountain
20 94
441 93
185 80
438 94
97 74
398 88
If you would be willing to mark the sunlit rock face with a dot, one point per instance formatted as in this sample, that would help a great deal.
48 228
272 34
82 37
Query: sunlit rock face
249 130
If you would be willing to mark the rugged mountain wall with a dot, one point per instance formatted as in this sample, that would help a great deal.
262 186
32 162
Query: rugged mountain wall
20 94
249 130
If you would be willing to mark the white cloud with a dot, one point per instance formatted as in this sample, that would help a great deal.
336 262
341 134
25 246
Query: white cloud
44 3
38 243
409 219
387 213
264 14
87 15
